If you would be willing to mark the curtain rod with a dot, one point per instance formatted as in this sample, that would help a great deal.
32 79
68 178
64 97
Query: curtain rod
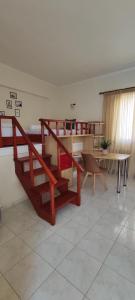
118 90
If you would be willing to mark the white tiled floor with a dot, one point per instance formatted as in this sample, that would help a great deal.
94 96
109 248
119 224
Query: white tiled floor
89 254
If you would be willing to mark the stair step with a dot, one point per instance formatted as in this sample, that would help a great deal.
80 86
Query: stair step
45 187
62 200
27 158
40 171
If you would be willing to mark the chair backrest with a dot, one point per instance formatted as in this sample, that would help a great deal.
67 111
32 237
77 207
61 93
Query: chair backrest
90 164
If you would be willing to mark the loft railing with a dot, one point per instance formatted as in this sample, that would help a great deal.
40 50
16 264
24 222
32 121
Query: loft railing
44 125
32 150
69 126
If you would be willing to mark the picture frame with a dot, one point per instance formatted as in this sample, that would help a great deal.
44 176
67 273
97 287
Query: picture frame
13 95
2 113
17 113
18 103
9 104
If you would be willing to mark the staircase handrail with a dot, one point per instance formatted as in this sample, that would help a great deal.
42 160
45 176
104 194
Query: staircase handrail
47 171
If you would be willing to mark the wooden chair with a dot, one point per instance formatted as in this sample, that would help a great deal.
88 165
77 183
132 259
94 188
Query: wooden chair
91 168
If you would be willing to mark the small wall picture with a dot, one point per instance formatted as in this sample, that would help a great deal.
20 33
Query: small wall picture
18 103
9 104
2 113
17 112
13 95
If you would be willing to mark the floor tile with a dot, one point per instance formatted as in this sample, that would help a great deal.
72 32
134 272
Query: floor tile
131 221
54 249
113 216
85 219
18 223
11 252
122 202
28 275
5 234
57 287
110 231
110 286
6 292
72 231
25 207
127 238
80 269
36 234
122 260
96 245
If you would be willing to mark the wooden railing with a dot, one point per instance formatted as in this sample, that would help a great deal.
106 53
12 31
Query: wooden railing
69 126
32 150
1 142
61 146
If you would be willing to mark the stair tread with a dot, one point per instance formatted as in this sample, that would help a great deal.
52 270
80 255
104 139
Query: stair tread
44 187
27 158
62 199
40 171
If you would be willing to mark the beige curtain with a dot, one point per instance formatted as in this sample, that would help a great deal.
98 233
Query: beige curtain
119 117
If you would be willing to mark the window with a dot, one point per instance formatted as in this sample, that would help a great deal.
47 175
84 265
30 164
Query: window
125 117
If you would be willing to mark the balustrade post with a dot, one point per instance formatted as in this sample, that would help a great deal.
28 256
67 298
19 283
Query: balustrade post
57 130
31 167
52 204
1 144
64 125
70 127
14 140
76 128
43 139
49 126
81 128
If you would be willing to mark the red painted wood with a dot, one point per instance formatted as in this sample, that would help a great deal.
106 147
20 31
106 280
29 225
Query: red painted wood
58 158
62 200
65 161
43 140
31 167
45 187
45 211
52 205
27 158
62 146
1 141
14 141
57 129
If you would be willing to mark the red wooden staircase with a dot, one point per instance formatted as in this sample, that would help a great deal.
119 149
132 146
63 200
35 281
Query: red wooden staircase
53 181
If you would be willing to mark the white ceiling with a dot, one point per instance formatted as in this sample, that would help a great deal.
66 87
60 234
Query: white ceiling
63 41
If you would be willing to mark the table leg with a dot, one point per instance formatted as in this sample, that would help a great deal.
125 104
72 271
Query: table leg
125 173
119 177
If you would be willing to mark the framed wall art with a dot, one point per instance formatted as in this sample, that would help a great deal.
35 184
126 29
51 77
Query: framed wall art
17 112
2 113
13 95
9 104
18 103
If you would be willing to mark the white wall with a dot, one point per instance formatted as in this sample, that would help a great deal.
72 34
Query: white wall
56 104
39 100
39 97
86 94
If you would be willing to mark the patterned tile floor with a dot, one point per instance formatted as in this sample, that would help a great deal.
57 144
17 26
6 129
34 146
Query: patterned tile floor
89 254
